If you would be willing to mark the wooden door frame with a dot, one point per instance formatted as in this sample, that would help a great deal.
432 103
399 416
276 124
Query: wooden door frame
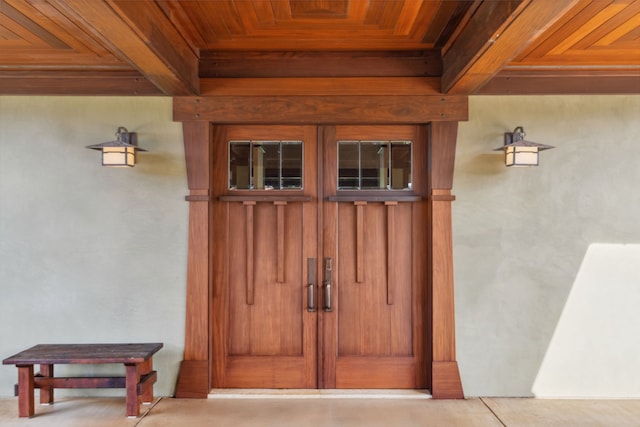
438 116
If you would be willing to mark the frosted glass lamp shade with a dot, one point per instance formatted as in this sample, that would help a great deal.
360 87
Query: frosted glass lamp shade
518 151
122 151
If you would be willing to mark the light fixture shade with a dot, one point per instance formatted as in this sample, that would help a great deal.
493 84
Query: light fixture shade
518 151
118 156
122 151
520 156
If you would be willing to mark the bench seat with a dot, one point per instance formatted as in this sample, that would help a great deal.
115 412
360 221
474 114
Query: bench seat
136 357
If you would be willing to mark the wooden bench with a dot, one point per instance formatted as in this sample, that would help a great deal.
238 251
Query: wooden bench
137 359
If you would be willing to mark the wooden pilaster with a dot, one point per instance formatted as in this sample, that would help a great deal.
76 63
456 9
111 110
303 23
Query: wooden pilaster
193 380
445 377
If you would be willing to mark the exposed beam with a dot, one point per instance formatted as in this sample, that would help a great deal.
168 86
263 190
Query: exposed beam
311 86
563 82
142 35
420 63
30 82
495 34
321 109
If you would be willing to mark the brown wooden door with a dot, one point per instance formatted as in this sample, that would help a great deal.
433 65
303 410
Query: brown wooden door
375 335
264 335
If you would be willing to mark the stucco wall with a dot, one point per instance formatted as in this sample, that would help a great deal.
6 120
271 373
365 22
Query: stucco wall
546 258
547 287
88 253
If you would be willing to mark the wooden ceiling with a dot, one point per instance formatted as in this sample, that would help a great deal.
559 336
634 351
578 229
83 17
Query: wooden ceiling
209 47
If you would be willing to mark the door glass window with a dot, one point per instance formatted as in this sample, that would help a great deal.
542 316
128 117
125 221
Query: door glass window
265 165
374 165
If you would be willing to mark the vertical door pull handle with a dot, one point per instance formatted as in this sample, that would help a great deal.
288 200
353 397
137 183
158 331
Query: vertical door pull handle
311 284
328 273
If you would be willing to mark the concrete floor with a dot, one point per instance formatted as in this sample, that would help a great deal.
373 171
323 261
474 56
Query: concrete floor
371 412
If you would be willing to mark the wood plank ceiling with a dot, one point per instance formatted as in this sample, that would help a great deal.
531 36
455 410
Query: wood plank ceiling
184 47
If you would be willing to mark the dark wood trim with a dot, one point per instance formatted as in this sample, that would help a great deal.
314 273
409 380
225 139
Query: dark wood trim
193 381
445 378
411 63
197 198
321 86
442 154
442 197
321 109
197 154
446 381
193 378
374 198
61 82
264 198
91 382
563 82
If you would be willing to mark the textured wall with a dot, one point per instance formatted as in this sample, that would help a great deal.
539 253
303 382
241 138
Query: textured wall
547 284
547 287
88 253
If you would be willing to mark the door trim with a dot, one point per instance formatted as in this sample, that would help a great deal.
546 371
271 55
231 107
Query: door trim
195 371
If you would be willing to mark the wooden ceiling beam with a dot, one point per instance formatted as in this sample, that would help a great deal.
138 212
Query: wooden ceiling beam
564 82
66 82
317 86
494 35
142 35
321 109
421 63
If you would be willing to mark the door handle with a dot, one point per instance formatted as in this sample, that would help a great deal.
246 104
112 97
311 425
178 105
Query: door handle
328 273
311 284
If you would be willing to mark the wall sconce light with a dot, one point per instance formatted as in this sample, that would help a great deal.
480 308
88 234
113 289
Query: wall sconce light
122 151
520 152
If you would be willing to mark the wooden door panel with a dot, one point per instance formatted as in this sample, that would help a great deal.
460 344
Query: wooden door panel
272 324
263 336
375 336
376 372
375 310
269 372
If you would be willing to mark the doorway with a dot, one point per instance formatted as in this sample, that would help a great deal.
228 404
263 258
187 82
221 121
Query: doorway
319 268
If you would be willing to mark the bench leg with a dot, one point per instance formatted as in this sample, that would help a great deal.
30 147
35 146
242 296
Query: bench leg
147 392
46 393
25 391
132 380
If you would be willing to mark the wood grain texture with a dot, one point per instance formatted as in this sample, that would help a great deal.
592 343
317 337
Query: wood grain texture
174 47
444 378
446 381
84 353
197 143
197 150
320 86
321 109
270 342
218 64
384 340
160 54
538 82
29 82
249 264
496 33
391 239
280 230
25 391
46 393
442 143
193 380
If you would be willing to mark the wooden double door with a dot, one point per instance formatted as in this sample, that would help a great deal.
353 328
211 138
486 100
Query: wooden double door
316 286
